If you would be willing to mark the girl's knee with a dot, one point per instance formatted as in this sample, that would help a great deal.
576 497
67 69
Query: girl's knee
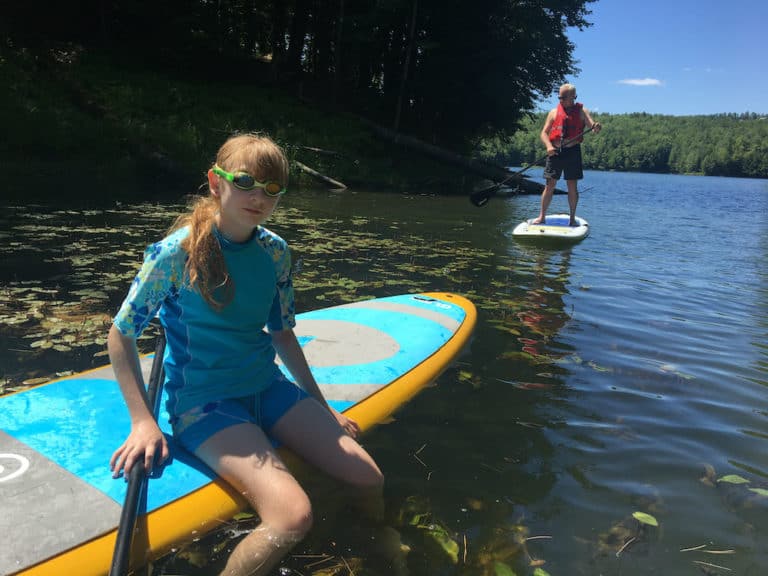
376 479
369 498
295 517
301 521
286 511
367 473
369 479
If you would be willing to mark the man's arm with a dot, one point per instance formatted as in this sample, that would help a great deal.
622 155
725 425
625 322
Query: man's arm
589 123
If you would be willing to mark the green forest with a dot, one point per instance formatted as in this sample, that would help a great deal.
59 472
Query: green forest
429 68
138 94
715 145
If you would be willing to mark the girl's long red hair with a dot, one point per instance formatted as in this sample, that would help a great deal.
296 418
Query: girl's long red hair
206 269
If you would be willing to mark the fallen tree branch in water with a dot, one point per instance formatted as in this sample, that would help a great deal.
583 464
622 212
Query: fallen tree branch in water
322 177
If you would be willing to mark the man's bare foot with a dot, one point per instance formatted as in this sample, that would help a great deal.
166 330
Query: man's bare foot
538 221
573 223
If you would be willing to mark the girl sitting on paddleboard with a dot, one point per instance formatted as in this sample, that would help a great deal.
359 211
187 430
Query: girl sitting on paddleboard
218 279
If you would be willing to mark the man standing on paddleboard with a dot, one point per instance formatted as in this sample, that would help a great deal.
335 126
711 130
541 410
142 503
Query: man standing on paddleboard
562 135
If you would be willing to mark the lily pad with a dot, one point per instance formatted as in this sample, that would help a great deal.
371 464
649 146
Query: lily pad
443 539
644 518
501 569
733 479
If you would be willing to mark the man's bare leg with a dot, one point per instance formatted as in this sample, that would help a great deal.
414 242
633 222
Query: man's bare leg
573 199
546 198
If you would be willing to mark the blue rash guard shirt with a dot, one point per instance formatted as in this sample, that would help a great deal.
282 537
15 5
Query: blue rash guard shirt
212 355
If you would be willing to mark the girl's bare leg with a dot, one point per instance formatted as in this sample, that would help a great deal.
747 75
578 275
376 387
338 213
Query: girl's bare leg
243 456
259 552
311 432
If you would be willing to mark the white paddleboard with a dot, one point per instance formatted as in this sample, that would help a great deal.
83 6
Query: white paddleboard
555 227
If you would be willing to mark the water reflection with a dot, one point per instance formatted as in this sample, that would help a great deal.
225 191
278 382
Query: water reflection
62 273
624 374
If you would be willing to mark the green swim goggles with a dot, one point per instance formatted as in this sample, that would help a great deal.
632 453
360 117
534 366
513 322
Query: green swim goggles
246 182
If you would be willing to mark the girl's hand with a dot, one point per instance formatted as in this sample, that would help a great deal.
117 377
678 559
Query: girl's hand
347 424
145 441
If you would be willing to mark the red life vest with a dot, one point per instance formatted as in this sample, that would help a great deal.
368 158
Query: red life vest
570 121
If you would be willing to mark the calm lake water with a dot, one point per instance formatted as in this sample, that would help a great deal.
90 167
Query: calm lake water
627 373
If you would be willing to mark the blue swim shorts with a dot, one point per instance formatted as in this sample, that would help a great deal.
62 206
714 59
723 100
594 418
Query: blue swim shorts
195 426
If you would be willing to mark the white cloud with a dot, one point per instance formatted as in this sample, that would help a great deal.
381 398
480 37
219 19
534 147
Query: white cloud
641 82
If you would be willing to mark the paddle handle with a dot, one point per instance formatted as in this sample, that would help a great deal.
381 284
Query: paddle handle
137 478
481 197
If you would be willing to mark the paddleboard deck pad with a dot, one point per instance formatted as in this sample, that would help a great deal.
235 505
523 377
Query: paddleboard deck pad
555 227
60 504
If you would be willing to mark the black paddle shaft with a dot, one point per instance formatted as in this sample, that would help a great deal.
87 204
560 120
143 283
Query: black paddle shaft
481 197
137 479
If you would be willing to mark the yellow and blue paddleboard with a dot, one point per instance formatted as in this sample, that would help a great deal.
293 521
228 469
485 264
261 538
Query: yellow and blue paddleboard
60 504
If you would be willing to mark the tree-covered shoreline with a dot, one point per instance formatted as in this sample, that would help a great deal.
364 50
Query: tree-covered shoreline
712 145
81 125
136 105
439 71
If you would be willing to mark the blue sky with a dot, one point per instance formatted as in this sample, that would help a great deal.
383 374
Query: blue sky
676 57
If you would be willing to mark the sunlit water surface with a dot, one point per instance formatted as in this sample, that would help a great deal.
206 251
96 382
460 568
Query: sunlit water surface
624 374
